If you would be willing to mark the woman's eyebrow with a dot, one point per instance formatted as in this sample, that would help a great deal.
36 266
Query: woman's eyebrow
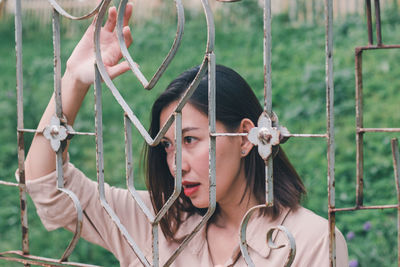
187 129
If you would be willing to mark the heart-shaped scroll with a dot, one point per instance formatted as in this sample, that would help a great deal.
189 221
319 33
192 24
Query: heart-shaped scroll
167 60
64 13
270 242
101 74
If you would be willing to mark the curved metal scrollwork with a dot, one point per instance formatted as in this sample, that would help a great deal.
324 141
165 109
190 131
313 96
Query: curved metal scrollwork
289 237
269 239
171 54
130 118
64 13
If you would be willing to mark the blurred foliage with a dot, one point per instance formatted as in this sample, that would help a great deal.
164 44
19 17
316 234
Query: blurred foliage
298 81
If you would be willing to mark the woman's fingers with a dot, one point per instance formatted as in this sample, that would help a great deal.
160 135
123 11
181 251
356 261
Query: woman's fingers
112 17
111 20
128 13
127 36
116 70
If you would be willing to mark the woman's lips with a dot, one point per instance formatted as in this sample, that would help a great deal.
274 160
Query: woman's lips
189 188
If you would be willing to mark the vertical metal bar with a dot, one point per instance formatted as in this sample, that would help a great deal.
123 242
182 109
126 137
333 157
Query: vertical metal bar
359 134
20 125
212 128
99 132
57 63
269 198
178 152
330 129
154 234
369 21
128 151
129 169
396 166
267 58
378 23
269 183
57 89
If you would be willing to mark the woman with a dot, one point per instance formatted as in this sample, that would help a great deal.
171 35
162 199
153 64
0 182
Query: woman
240 176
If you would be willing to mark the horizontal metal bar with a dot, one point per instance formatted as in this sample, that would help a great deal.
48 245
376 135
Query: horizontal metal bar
286 135
393 206
307 135
373 47
228 134
36 260
8 183
378 130
69 132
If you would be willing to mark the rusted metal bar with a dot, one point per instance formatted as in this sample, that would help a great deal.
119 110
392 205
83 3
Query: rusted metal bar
307 135
20 124
36 260
171 54
41 131
378 130
369 21
269 180
378 207
396 169
286 135
359 125
57 64
8 183
378 22
330 128
373 47
267 58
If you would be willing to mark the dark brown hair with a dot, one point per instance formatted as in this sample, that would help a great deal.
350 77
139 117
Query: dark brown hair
234 101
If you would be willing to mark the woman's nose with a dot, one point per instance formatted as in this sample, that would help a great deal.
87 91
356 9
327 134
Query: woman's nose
184 163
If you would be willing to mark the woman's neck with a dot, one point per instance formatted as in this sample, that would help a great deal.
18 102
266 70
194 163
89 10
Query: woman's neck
230 214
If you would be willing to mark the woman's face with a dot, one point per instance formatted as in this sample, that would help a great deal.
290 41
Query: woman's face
230 178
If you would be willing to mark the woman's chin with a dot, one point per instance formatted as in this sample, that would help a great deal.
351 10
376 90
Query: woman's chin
200 205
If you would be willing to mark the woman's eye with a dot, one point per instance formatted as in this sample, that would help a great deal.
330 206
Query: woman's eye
167 145
189 139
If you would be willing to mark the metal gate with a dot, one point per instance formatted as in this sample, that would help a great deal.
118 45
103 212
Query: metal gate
264 135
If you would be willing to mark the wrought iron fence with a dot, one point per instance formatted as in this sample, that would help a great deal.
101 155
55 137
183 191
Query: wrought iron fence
265 135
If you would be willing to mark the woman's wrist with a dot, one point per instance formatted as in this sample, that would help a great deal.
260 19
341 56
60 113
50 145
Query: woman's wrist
72 81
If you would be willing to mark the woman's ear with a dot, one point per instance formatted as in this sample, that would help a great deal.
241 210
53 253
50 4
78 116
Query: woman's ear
245 126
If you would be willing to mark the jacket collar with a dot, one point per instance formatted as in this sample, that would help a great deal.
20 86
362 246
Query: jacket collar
256 233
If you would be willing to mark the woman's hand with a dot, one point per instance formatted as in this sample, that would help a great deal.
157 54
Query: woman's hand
80 63
79 75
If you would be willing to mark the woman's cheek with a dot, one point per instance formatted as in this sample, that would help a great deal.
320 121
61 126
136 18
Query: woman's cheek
171 163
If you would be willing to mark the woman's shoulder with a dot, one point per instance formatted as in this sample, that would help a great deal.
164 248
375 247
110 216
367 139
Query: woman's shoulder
311 233
306 222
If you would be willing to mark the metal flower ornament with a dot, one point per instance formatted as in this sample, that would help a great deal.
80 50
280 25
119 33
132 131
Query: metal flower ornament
268 133
56 132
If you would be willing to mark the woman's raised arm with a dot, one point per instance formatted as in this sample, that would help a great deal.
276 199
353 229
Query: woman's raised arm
78 77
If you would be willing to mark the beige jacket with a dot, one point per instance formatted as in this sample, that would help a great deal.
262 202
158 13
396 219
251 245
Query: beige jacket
57 210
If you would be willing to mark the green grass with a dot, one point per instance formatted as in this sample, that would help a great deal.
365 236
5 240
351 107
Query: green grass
298 81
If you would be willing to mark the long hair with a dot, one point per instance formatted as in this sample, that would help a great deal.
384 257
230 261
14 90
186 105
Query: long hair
234 101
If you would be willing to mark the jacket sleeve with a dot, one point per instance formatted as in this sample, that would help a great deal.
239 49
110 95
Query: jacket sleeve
56 210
